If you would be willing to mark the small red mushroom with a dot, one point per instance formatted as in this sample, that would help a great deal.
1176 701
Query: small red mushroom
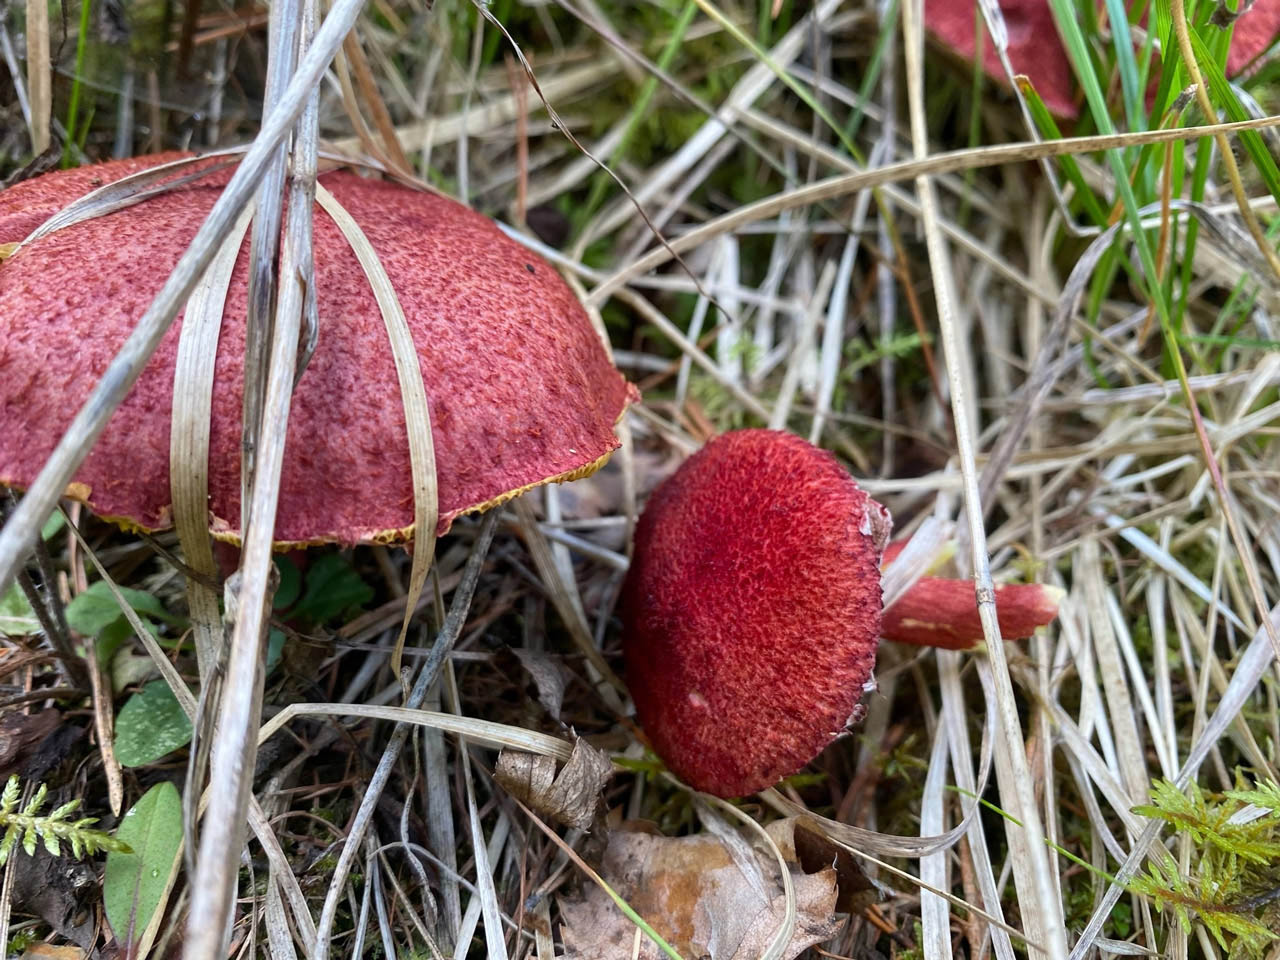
520 388
752 609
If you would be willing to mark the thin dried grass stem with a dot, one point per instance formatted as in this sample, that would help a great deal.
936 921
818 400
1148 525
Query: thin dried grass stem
417 414
39 76
1037 892
193 378
235 748
945 162
426 678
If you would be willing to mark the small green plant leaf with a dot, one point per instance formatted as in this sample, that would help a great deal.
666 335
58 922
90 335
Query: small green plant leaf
333 587
275 648
51 526
151 724
16 616
135 883
96 609
290 584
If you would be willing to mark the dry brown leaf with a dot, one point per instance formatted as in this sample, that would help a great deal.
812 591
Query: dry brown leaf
570 798
548 677
692 893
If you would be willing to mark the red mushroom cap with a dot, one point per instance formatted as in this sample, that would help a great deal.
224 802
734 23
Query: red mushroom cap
520 388
752 609
1036 50
1034 46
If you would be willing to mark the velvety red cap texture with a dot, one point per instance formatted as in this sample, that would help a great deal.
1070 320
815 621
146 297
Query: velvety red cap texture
519 385
1036 50
752 609
1034 46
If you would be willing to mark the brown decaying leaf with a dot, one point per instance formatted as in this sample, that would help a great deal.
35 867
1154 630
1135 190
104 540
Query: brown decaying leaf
548 677
572 797
19 735
693 894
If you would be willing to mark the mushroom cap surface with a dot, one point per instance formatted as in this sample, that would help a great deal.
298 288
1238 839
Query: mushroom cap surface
520 388
1036 50
751 610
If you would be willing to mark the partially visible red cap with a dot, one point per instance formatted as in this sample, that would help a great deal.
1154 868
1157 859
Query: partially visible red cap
1036 50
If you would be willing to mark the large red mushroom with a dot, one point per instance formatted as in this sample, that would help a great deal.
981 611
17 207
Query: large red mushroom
520 387
752 610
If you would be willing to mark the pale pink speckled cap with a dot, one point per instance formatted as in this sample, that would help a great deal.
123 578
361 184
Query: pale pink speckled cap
520 388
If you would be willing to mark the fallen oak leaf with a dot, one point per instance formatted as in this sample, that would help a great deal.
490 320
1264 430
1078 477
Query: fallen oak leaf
693 893
570 798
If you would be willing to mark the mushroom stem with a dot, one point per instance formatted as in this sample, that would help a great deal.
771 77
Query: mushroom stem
943 611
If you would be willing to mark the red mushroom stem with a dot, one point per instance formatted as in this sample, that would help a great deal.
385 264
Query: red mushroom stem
943 611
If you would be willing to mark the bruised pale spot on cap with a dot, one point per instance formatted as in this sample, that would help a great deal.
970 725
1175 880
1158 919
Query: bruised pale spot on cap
519 386
751 610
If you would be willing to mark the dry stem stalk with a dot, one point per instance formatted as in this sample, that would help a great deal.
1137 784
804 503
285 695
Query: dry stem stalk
39 77
234 750
1178 12
1040 899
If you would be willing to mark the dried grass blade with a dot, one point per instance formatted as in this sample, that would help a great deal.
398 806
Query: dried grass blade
351 105
934 919
1254 662
493 851
833 332
488 732
938 163
953 720
130 190
441 834
240 707
417 414
1130 754
104 724
491 912
193 377
39 74
279 942
359 63
1038 895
